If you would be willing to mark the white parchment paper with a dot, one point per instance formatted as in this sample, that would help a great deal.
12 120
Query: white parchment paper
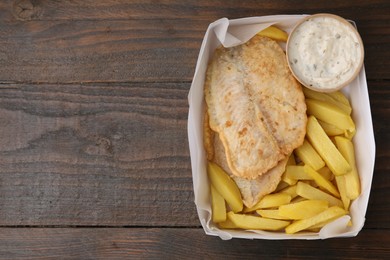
234 32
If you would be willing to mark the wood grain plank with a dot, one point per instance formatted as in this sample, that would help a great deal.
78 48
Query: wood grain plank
138 9
173 243
103 51
95 155
110 41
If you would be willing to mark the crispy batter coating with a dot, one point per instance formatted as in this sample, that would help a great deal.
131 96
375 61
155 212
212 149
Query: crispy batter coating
255 105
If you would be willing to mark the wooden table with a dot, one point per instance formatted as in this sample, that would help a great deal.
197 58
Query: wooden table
94 158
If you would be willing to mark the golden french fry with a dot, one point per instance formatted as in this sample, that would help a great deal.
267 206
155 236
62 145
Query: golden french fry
227 224
218 206
341 184
326 173
309 156
326 149
327 215
225 186
340 97
270 201
331 114
274 33
303 209
270 213
321 181
297 172
352 180
287 179
297 199
311 94
282 185
331 130
254 222
311 193
291 190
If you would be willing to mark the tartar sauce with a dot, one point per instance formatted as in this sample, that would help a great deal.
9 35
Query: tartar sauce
324 53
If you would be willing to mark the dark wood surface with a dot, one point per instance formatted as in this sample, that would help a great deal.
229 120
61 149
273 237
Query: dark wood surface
94 158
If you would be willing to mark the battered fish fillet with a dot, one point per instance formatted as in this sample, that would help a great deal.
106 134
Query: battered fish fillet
255 105
251 190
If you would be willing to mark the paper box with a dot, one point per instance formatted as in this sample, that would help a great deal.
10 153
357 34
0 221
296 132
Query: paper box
234 32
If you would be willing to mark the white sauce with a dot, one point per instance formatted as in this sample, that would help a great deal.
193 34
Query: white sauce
324 52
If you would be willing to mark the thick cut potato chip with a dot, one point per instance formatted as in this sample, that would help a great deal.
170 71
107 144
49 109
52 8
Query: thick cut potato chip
218 206
342 185
321 181
297 199
329 214
288 180
351 178
332 115
254 222
327 150
225 186
311 193
309 156
270 201
291 190
326 173
339 96
270 213
331 130
297 172
274 33
303 209
311 94
228 224
282 185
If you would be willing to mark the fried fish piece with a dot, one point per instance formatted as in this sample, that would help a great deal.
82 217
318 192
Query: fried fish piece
251 190
255 105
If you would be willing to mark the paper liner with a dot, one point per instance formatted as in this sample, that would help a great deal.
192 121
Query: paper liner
234 32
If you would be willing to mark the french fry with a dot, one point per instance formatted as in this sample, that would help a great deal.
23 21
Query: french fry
291 190
218 206
270 201
291 161
340 97
327 215
311 193
332 115
321 181
253 222
227 224
270 213
331 130
326 173
274 33
225 186
351 178
303 209
341 184
324 146
297 199
297 173
311 94
287 179
282 185
309 156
